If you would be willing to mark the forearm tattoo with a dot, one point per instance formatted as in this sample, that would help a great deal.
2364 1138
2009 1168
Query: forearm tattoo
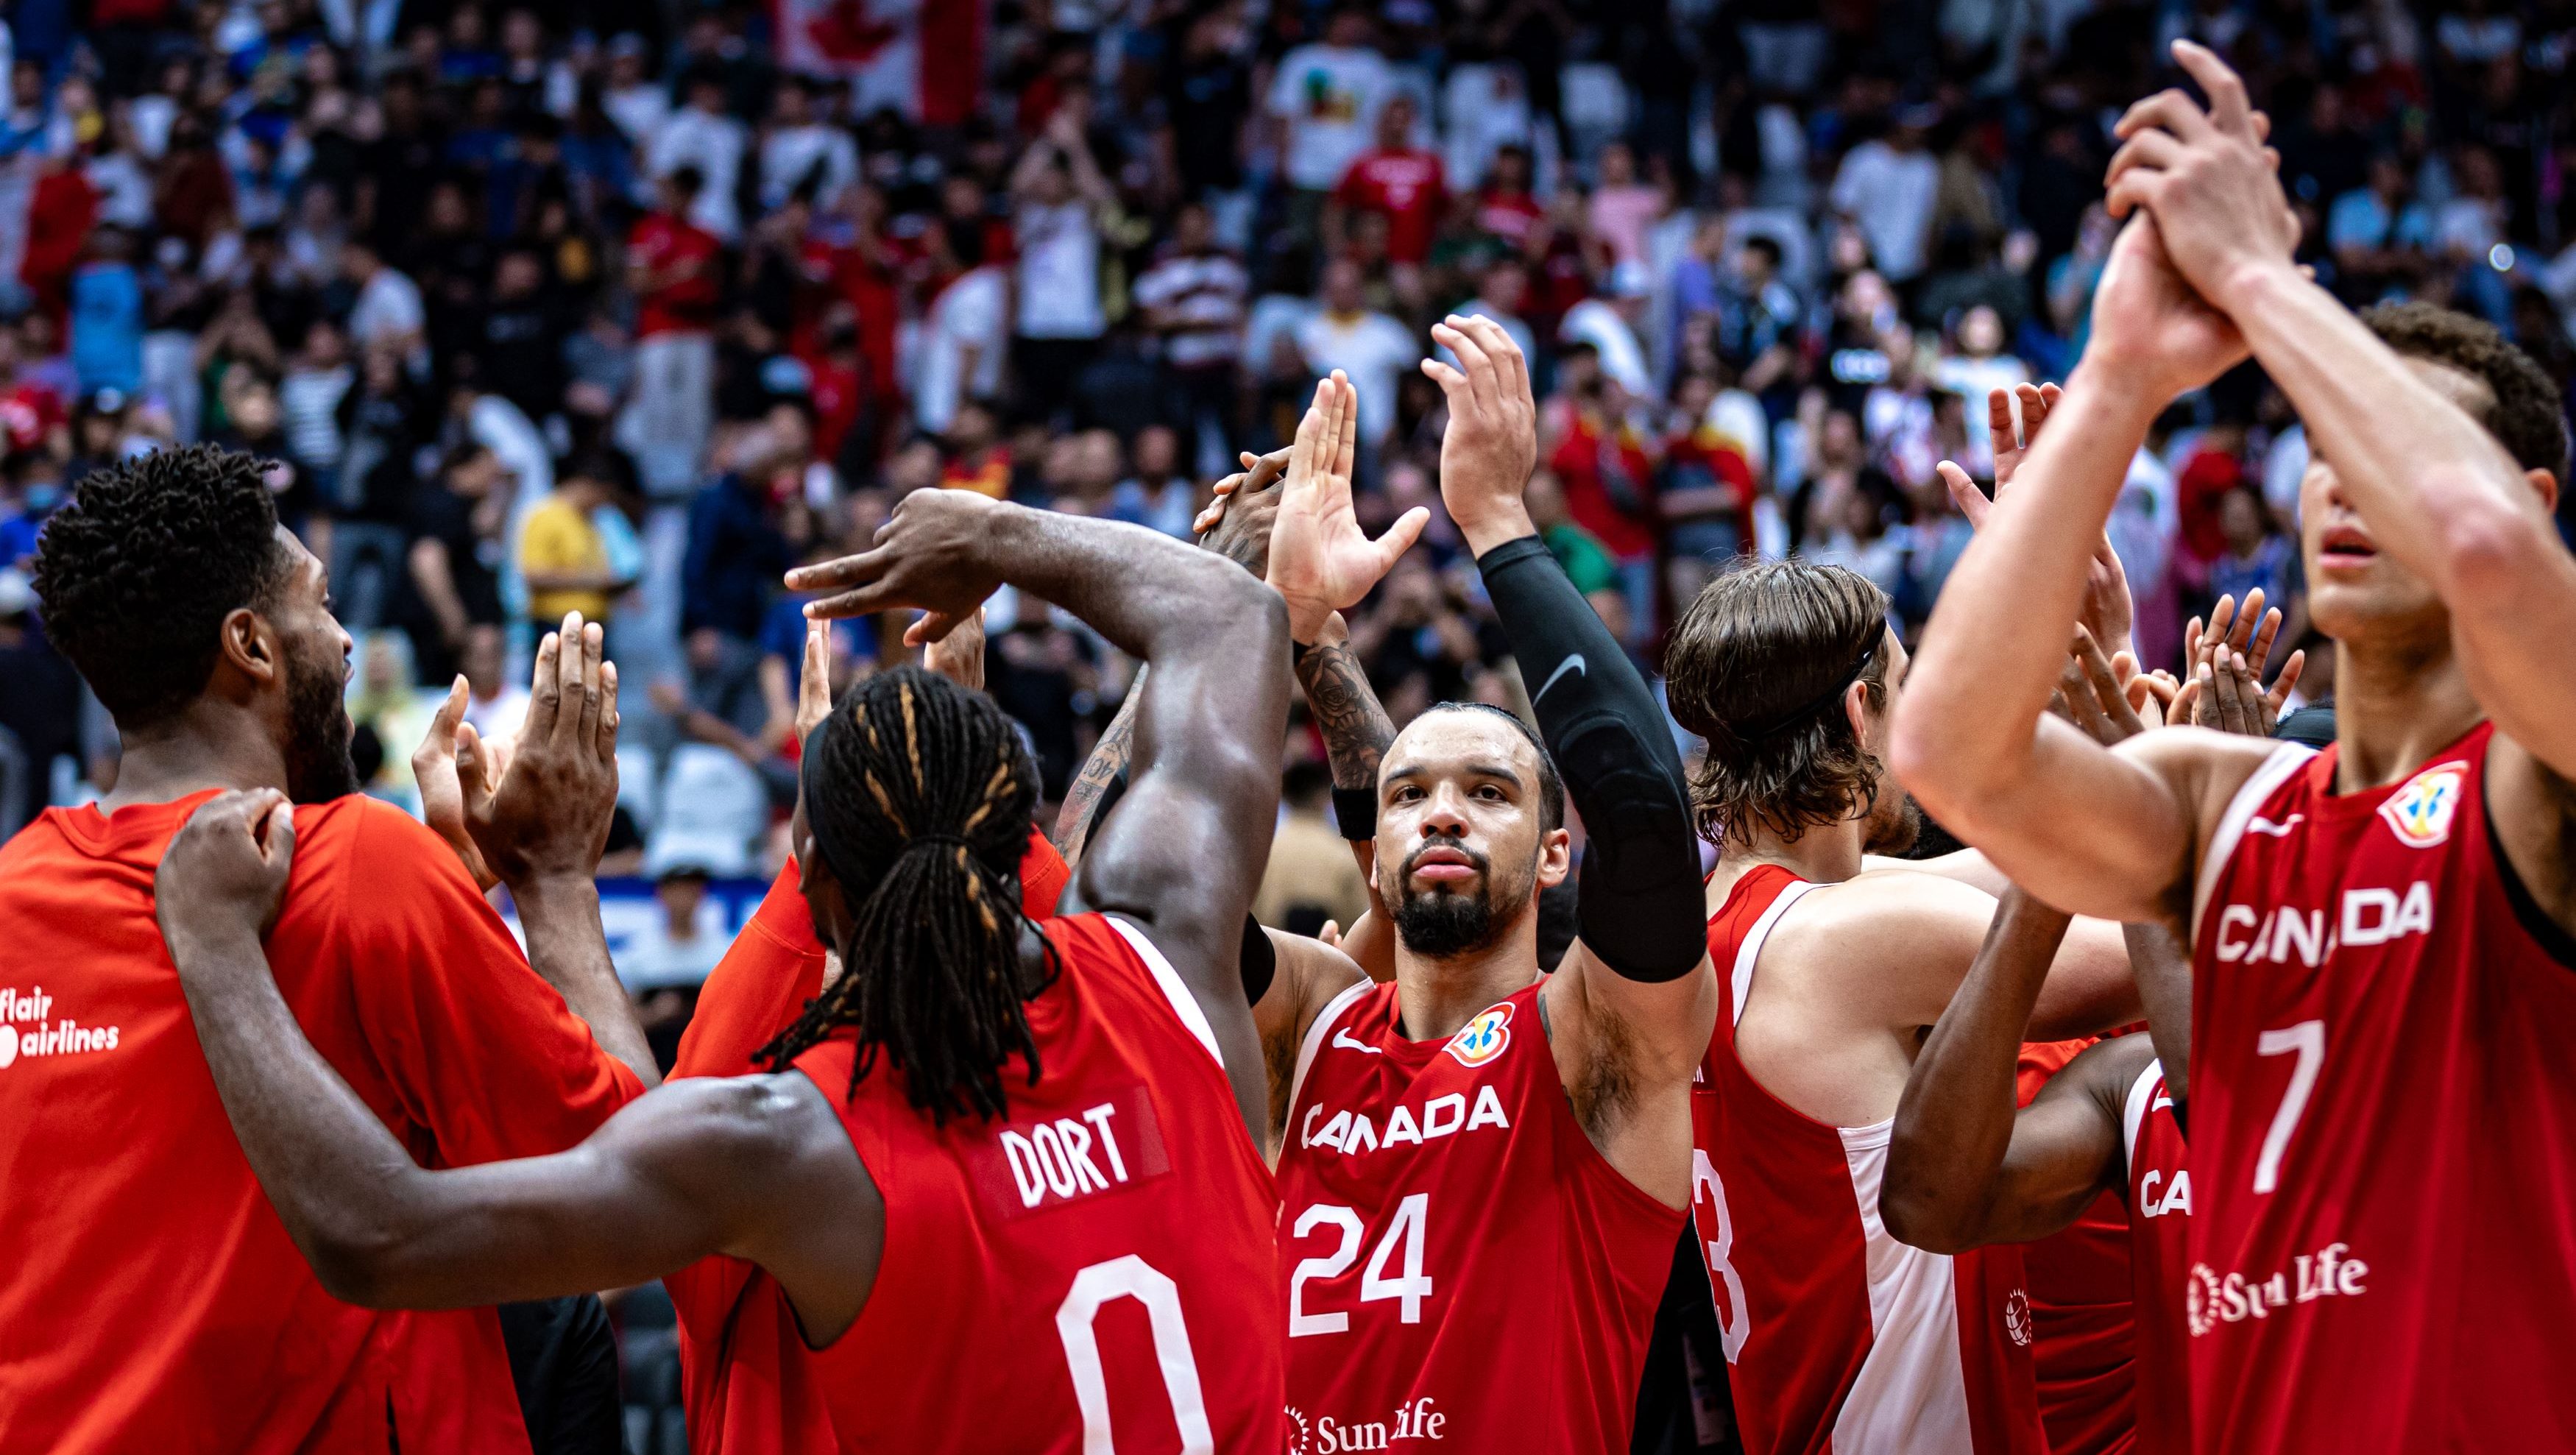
1073 824
1356 729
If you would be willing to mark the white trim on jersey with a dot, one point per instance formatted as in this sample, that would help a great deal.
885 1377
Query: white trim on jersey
1323 1026
2285 760
1911 1392
1751 949
1184 1004
2134 1109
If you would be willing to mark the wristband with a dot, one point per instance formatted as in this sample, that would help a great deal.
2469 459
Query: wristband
1355 811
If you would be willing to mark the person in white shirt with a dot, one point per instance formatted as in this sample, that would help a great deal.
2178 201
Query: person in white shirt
1887 186
965 329
678 945
701 135
1371 348
797 145
1060 197
1325 97
388 312
1611 328
634 100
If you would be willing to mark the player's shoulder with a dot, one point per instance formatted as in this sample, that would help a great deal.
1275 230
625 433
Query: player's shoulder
2207 767
1896 901
386 839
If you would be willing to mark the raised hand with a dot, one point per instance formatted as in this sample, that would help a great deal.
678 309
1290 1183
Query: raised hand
223 877
958 656
932 554
1236 523
2093 693
2223 667
546 812
1320 559
435 768
2108 613
1492 441
2151 329
2212 186
814 680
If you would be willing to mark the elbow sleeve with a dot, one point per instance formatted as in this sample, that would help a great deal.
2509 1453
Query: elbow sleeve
1639 907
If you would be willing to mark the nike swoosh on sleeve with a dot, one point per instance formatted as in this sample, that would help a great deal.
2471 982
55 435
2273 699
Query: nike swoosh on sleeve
1573 664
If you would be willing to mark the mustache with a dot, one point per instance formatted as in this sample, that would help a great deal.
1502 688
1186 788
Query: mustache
1475 860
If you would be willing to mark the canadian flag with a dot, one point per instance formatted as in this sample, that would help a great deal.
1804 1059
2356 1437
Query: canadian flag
925 58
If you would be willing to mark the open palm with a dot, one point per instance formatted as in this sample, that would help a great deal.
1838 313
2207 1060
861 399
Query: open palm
1320 559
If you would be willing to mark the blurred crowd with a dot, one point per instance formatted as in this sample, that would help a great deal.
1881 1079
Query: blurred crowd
601 308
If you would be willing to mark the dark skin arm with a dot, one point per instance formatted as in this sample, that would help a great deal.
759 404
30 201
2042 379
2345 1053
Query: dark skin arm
1964 1169
705 1166
1213 713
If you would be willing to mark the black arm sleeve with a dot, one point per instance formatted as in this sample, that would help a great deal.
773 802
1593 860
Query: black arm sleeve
1640 904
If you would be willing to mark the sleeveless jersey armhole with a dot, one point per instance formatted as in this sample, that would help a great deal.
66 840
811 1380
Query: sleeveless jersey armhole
1184 1005
1740 975
2133 1112
1325 1020
2554 939
2257 790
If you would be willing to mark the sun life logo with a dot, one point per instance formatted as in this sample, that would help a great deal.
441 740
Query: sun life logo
1299 1444
2420 813
1483 1038
2017 1317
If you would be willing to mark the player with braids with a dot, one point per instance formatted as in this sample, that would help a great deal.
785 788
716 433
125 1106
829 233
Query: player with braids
907 1237
936 838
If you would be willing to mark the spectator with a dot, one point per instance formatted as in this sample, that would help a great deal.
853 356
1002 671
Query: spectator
678 946
106 315
1887 186
1374 350
1157 495
564 555
2260 556
1325 97
1501 292
1312 877
454 561
1060 198
387 311
702 138
638 104
798 151
1396 181
671 265
718 699
965 329
1622 206
317 381
736 551
371 497
1194 298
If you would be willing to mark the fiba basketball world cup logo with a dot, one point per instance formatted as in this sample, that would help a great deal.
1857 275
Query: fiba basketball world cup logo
1482 1039
2017 1317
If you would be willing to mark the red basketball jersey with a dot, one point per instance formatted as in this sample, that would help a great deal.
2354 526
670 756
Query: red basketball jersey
2083 1350
2159 1197
1840 1337
1464 1270
2383 1106
1093 1272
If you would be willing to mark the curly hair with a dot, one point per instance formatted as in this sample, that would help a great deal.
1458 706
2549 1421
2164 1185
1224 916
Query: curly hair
2524 413
140 566
919 795
1757 666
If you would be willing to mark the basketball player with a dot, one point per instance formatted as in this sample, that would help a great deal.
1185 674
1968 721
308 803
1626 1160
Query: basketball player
1838 1333
747 1383
2382 1257
985 1132
1481 1170
154 1301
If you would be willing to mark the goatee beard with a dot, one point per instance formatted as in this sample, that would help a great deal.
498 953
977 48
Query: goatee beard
318 766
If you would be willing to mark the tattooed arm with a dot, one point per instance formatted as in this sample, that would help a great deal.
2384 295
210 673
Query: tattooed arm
1357 733
1106 766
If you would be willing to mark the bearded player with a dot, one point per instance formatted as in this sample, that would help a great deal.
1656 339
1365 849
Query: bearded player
1481 1169
993 1132
155 1302
2380 1091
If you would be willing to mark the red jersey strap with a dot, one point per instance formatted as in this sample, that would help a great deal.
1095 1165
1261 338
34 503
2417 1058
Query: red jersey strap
2134 1108
1786 889
2244 816
1184 1005
1325 1021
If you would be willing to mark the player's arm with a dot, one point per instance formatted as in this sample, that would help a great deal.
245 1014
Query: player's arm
1306 975
1972 738
1208 727
1963 1167
2436 489
699 1169
1634 1000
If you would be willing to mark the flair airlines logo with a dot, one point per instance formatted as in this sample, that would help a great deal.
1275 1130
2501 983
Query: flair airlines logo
1482 1039
1415 1419
2210 1300
2420 813
2017 1317
25 1029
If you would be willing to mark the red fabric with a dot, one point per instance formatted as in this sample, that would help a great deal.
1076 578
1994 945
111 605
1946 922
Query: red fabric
2366 944
1539 1264
1117 1221
2206 477
29 412
1792 1252
1584 460
747 1379
154 1300
2159 1200
670 245
952 62
1508 215
1407 188
2084 1334
59 215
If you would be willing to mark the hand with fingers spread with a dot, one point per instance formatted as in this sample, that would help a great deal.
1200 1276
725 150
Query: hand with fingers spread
546 816
223 877
2211 184
1236 523
2108 612
2093 695
1492 441
935 553
1320 559
2223 669
958 656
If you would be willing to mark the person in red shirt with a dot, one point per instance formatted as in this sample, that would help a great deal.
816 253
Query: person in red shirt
1398 181
1504 209
673 267
986 1133
156 1302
